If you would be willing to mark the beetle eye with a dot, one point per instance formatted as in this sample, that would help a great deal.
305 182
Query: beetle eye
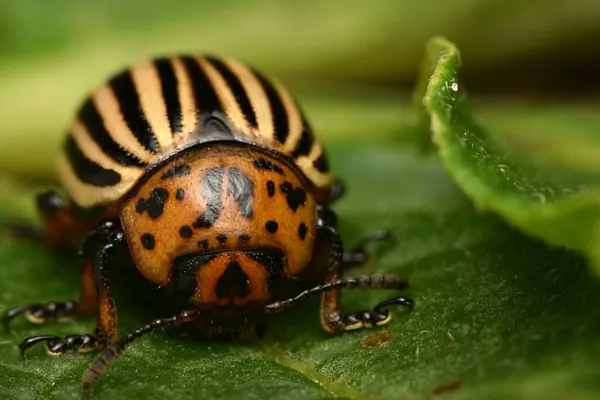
183 276
183 280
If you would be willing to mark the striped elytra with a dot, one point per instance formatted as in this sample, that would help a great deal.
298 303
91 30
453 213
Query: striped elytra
152 110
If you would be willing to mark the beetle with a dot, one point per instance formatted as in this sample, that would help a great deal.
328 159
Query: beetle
207 175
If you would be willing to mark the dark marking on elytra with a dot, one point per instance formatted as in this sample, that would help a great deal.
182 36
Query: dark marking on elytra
295 196
271 188
272 226
302 230
262 163
86 169
185 232
234 281
148 241
128 99
221 238
176 170
212 186
305 143
155 204
203 244
244 238
180 194
321 164
242 190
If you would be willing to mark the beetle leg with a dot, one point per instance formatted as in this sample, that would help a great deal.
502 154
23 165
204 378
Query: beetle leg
359 255
38 313
98 246
110 354
60 226
331 319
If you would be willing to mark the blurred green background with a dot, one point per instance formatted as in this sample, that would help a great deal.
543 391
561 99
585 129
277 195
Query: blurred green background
501 313
352 63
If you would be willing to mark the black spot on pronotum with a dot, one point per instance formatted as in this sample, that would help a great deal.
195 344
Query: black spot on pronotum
262 163
221 238
180 194
302 229
185 232
212 186
154 205
272 226
234 281
295 196
271 188
203 244
148 241
244 238
176 170
242 190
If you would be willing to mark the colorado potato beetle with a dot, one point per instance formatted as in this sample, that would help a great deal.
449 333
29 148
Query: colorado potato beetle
207 175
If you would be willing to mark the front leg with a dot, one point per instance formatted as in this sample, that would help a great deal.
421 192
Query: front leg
98 246
358 255
39 313
332 320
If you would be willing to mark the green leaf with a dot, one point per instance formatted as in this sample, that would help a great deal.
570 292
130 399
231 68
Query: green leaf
498 315
559 205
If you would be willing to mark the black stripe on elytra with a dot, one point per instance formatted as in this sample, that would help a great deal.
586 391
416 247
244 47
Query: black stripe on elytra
129 102
306 140
278 111
205 97
86 170
237 89
263 163
92 120
321 163
176 170
170 93
212 185
233 281
242 190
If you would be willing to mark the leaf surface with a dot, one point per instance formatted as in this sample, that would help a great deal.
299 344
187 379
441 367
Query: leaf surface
497 314
553 202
